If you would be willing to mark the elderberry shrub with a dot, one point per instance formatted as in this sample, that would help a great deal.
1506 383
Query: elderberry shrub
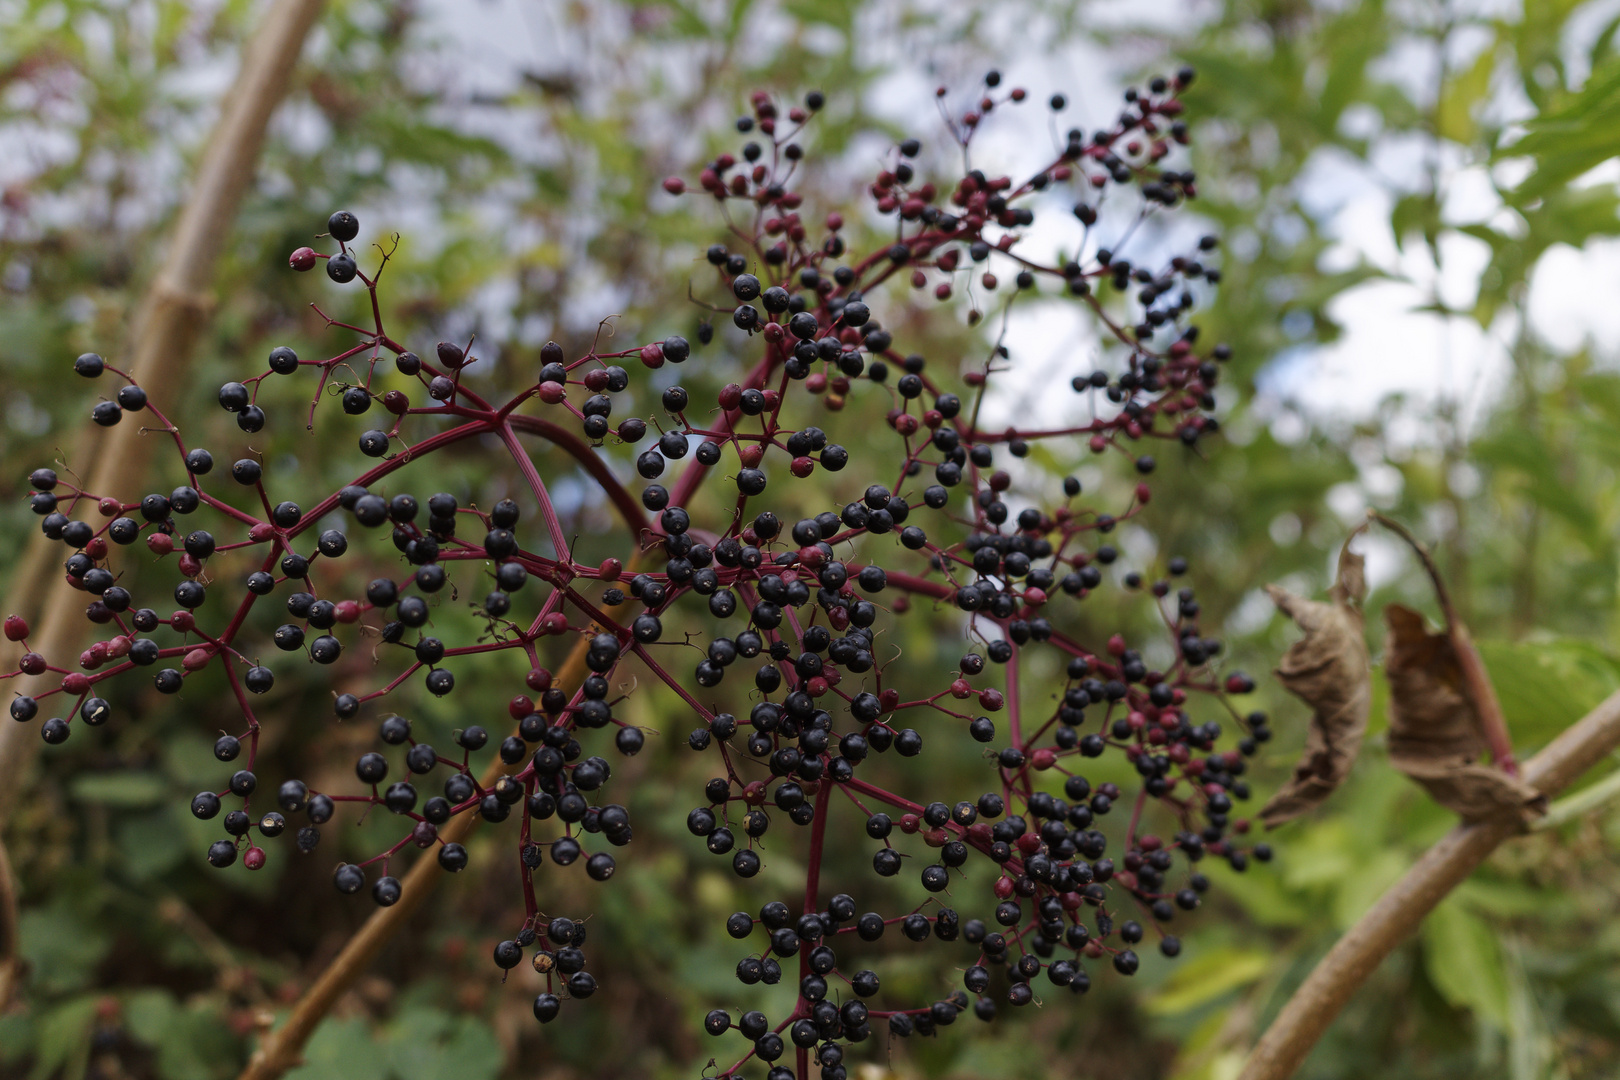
1016 876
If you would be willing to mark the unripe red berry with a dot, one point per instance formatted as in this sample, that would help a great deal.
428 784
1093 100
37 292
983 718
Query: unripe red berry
302 259
1239 683
674 185
159 544
75 684
253 858
109 507
16 628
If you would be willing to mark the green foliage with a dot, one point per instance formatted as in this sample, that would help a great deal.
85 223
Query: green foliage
134 952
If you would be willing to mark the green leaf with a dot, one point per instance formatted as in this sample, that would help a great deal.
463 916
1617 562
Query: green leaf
1417 213
61 948
1461 95
151 843
123 789
64 1039
1545 685
1580 132
1463 961
16 1037
149 1014
197 1044
429 1044
1206 977
341 1050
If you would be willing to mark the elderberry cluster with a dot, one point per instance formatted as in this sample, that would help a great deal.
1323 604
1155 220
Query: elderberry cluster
793 608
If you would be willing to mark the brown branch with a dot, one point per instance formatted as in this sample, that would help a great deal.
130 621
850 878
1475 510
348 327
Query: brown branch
10 962
1476 685
172 315
1398 913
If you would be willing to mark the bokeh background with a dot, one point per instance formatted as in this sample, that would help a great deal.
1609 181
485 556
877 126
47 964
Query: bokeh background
1419 213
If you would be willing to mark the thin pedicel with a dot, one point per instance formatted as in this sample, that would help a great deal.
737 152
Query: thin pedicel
799 606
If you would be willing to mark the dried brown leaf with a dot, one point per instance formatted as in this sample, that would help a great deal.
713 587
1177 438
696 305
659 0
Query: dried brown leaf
1434 733
1328 669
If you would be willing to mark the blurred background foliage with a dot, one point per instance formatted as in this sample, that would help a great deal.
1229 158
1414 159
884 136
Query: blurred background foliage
531 212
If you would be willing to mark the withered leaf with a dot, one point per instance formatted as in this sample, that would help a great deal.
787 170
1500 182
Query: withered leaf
1434 734
1329 669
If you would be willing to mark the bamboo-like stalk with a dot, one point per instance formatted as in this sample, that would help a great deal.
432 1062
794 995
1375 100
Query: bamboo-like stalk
172 314
1399 912
282 1049
9 961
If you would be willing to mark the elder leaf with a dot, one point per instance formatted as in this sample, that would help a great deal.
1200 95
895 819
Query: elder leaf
1328 669
1434 733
